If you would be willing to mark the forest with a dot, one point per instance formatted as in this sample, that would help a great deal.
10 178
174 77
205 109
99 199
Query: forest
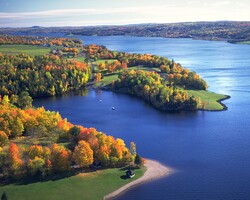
47 75
41 144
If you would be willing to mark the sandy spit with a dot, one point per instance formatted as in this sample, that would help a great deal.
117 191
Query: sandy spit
155 170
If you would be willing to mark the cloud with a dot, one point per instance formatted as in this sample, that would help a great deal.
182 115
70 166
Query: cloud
77 12
222 3
126 15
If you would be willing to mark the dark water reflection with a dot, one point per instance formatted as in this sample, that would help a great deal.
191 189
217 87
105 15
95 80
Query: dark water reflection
210 151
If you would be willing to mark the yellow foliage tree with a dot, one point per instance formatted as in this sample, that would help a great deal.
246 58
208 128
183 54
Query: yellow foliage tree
83 154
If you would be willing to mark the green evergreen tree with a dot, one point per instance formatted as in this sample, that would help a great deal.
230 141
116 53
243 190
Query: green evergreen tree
138 160
4 196
24 100
74 131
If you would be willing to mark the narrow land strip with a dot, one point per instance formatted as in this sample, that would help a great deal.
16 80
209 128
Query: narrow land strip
155 170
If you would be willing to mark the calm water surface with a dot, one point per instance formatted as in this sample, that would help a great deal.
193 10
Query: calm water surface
209 151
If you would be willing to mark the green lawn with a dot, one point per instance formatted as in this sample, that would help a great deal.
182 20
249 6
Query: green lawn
103 61
246 42
107 80
81 59
209 97
144 68
27 49
87 186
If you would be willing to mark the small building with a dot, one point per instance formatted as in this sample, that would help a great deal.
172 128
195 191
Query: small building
130 173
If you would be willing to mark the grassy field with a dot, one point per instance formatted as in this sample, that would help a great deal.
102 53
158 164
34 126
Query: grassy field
110 78
103 61
26 49
209 97
144 68
81 59
247 42
106 80
87 186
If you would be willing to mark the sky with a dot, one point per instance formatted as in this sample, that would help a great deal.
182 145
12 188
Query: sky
27 13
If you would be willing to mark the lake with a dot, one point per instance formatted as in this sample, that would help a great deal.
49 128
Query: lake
209 152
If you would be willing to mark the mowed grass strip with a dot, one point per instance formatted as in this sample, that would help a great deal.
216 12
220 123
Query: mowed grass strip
109 79
80 59
104 60
87 186
106 80
246 42
210 98
26 49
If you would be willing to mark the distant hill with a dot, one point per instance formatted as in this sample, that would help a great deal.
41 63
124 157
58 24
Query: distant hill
36 27
231 31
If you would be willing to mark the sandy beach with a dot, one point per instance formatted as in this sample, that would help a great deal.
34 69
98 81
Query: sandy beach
155 170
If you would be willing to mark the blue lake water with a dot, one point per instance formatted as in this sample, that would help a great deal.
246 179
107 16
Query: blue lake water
209 151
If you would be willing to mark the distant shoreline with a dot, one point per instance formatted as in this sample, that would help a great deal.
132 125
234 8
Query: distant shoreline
192 38
155 170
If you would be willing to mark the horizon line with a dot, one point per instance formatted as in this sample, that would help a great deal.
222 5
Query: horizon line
129 24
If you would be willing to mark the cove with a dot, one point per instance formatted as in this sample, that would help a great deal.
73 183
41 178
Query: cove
208 150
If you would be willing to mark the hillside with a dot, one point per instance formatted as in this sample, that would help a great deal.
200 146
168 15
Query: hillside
231 31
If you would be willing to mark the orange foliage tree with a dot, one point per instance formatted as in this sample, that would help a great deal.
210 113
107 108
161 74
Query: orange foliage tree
98 77
60 158
83 154
15 160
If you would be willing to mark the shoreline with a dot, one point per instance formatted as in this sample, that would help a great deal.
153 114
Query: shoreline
155 170
220 102
245 42
222 99
224 107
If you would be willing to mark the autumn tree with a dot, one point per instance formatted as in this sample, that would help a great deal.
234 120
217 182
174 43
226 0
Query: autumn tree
15 160
101 66
36 166
98 77
35 151
60 158
5 101
165 69
3 139
203 104
83 154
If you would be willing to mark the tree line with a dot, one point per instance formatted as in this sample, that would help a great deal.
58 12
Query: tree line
40 40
